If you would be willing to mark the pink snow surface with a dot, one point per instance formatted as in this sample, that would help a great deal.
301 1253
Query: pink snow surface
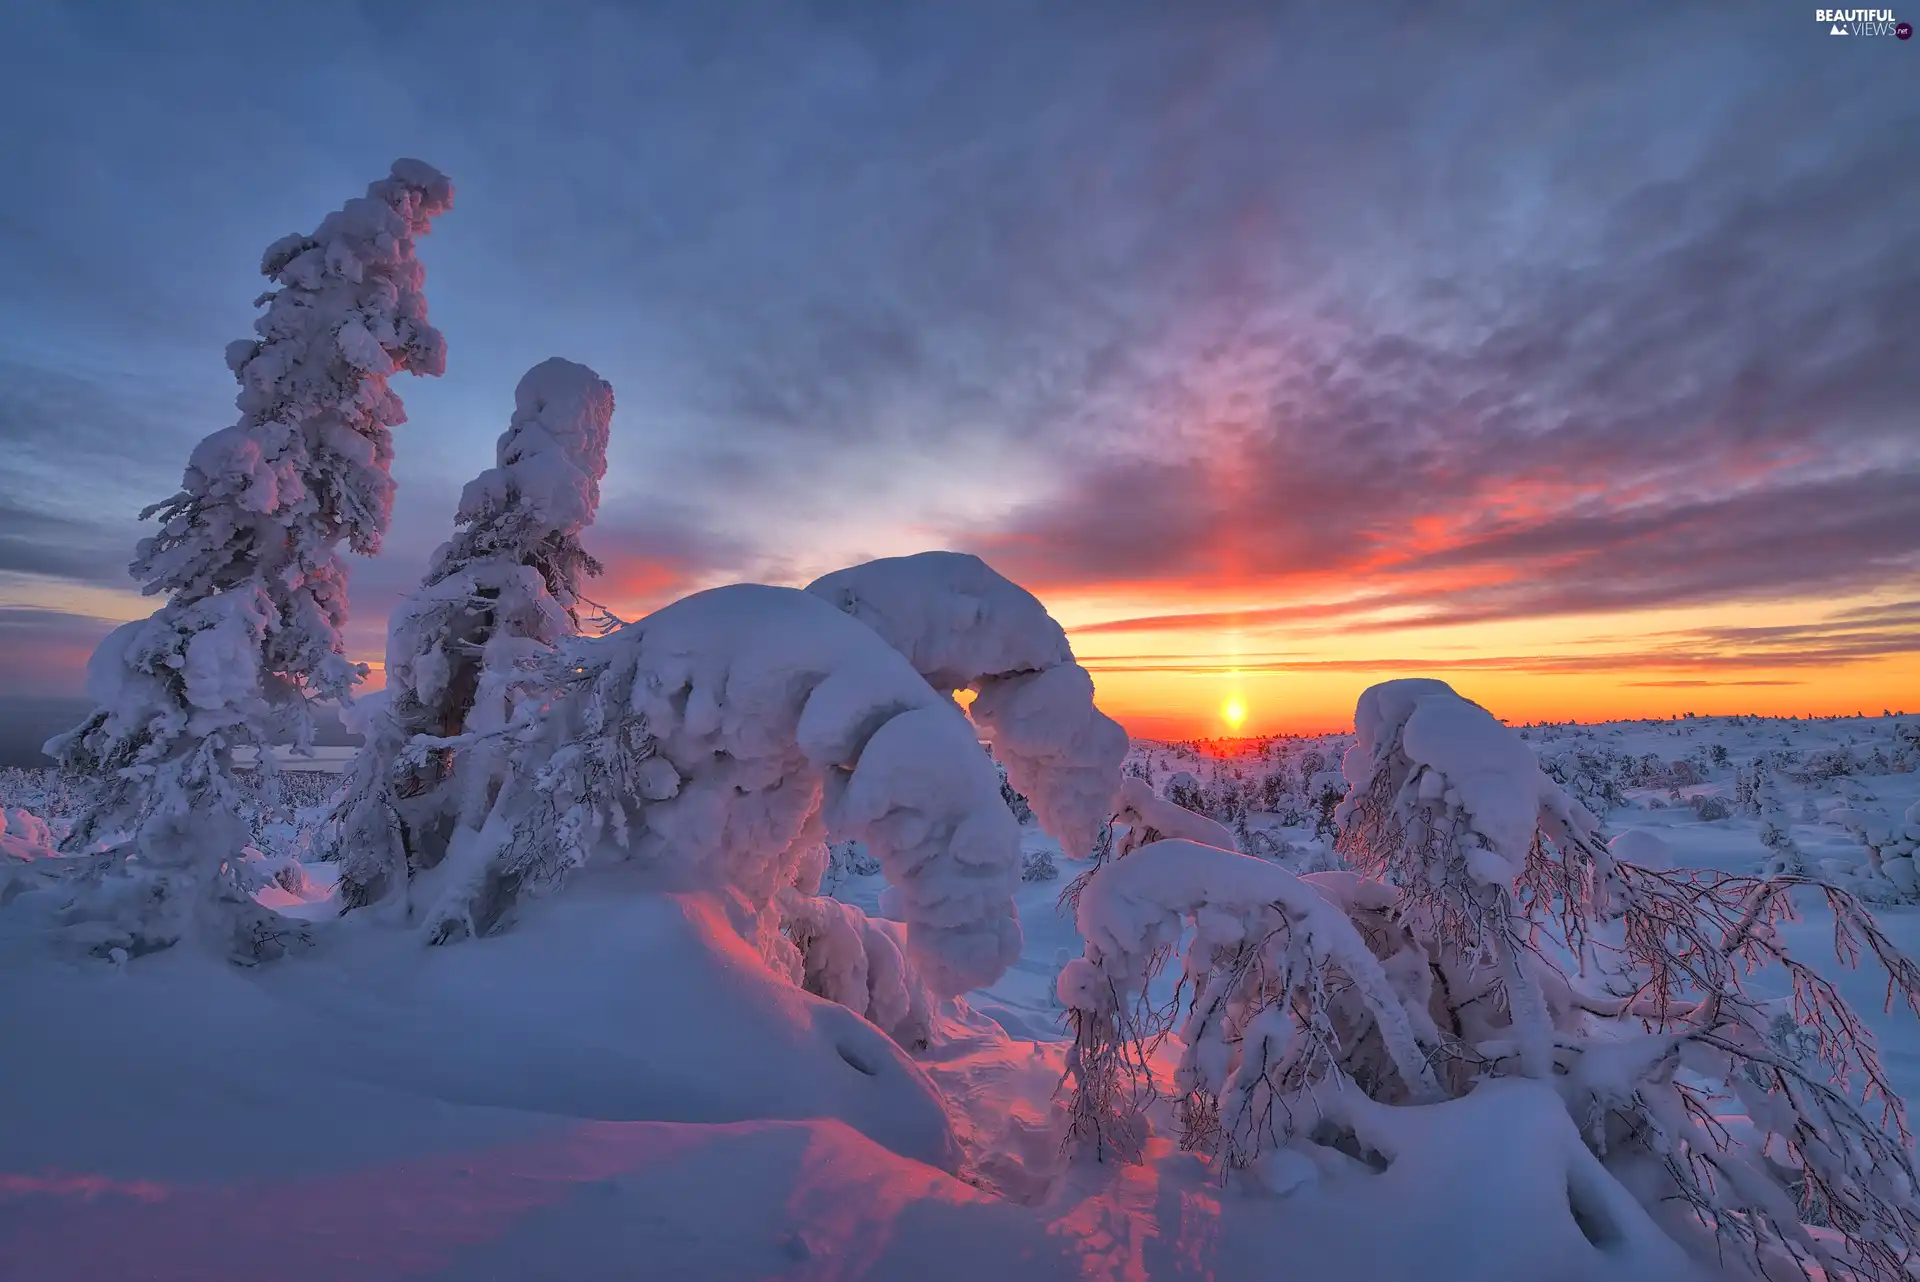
619 1089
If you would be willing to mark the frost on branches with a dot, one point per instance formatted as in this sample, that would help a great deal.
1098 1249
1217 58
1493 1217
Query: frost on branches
965 627
247 557
463 648
715 743
1314 1007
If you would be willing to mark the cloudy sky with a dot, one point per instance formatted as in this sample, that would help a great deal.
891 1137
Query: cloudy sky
1569 352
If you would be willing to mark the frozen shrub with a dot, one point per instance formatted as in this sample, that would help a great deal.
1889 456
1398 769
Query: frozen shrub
1710 808
1038 865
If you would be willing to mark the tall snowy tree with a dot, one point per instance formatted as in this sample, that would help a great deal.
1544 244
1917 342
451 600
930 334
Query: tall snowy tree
499 596
247 555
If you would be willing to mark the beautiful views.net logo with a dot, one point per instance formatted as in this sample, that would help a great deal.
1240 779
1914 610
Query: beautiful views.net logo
1863 22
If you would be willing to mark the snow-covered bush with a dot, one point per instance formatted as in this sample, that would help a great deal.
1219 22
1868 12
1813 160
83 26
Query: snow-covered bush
1710 808
247 555
964 627
846 859
1590 777
463 648
716 741
1265 945
1148 817
1143 817
1186 792
21 824
1038 865
1437 965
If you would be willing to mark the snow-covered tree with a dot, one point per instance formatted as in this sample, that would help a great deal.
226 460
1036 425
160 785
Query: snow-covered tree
1316 1011
965 627
1149 817
247 556
715 742
1186 792
462 649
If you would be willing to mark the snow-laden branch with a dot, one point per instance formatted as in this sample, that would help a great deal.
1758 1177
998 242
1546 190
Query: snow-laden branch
1266 1018
964 627
1143 810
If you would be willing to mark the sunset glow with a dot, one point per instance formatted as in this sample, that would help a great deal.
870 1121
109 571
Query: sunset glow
1262 414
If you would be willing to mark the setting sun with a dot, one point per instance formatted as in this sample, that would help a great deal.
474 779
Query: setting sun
1235 712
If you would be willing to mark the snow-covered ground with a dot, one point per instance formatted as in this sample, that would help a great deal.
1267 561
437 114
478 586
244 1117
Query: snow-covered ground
617 1087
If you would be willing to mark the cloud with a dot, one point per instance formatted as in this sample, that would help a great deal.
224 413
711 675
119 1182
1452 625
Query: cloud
1675 685
1877 632
1459 313
45 652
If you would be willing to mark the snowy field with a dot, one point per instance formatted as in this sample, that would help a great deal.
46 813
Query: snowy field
617 1087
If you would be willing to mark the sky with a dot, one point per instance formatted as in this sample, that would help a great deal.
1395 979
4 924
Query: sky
1569 353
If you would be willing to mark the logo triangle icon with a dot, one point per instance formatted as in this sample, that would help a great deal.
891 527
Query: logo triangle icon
1838 30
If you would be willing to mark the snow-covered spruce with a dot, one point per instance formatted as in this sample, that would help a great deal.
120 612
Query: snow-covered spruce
247 555
462 649
965 627
716 741
1476 874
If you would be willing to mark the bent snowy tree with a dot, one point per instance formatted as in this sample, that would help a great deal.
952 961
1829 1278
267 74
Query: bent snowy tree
247 555
464 648
716 742
963 626
1446 960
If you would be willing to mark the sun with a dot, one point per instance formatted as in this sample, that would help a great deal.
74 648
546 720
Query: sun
1234 712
